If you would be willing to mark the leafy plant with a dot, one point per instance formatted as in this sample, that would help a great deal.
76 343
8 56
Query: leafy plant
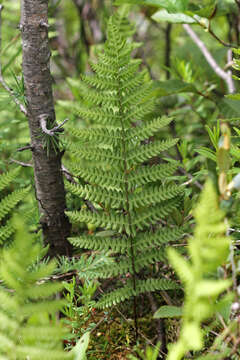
78 309
130 197
208 249
150 353
29 325
8 203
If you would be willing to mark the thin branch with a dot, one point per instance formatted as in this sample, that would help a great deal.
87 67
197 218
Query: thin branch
191 179
68 175
168 44
161 335
27 147
232 261
226 76
53 131
2 81
58 128
233 265
209 30
21 163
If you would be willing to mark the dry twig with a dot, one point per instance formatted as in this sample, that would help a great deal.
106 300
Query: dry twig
2 81
225 75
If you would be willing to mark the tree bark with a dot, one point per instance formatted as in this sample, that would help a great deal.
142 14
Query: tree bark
49 186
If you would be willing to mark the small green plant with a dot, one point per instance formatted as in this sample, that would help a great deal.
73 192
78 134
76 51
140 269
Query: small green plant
130 197
208 249
78 310
151 353
29 327
8 203
29 304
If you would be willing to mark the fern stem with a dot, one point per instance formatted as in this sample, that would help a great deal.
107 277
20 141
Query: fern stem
128 214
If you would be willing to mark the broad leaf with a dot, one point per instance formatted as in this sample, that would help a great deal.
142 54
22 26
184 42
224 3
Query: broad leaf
163 15
80 349
206 9
170 5
212 287
168 312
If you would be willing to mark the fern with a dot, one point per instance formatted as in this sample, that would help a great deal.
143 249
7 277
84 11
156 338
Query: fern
112 156
26 329
208 249
9 202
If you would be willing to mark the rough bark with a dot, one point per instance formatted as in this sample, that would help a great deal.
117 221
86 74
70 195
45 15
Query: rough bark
49 184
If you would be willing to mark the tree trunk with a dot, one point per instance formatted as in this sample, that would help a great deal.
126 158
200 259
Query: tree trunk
49 184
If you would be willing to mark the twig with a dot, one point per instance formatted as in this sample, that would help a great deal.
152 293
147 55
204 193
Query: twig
68 175
27 147
209 30
53 131
233 265
168 44
229 71
21 163
197 183
161 335
166 297
59 127
234 230
226 76
2 81
232 261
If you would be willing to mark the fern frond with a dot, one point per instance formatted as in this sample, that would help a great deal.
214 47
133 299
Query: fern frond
106 179
5 232
152 195
148 151
26 329
123 265
154 213
208 249
8 177
109 220
113 157
120 244
145 174
127 291
95 242
10 201
106 196
150 128
162 236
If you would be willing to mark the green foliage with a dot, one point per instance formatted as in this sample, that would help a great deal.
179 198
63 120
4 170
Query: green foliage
178 11
8 203
78 309
28 325
150 353
208 249
112 156
29 303
80 349
168 311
